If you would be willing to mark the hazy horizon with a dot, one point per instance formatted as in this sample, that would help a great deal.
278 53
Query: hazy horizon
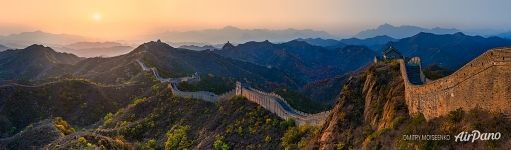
124 20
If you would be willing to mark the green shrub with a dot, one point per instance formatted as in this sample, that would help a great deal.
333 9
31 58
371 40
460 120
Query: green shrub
267 139
150 144
220 144
177 138
63 126
298 137
84 144
108 119
287 123
139 101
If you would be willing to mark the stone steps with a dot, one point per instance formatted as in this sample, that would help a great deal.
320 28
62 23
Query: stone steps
414 74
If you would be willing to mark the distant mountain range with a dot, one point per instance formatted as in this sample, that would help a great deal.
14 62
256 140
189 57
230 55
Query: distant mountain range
327 43
374 43
95 49
304 62
38 62
401 31
447 50
267 65
75 44
237 35
198 48
3 48
506 35
25 39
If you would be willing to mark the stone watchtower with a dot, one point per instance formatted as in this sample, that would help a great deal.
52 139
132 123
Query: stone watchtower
239 88
227 46
390 53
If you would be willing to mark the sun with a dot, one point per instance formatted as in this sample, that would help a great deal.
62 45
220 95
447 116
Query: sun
96 16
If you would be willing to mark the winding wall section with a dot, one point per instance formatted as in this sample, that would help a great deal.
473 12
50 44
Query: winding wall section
270 101
485 82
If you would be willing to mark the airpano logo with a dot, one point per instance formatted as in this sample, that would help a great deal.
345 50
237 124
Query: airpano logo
476 135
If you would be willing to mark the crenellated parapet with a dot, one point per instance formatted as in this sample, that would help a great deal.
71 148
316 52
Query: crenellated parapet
485 82
270 101
277 105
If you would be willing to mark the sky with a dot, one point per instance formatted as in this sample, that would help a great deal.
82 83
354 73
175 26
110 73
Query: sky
117 19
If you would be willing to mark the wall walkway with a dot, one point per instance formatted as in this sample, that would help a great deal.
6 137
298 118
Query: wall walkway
485 82
270 101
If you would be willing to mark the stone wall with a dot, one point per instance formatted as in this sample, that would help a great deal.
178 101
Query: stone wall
484 82
270 101
277 105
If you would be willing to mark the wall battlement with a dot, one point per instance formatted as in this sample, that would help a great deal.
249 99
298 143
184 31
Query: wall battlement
270 101
485 82
277 105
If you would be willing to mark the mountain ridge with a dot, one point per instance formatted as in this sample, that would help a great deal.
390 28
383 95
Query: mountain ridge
237 35
25 39
445 49
32 62
401 31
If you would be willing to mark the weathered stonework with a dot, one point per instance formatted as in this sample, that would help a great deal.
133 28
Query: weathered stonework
485 82
270 101
277 105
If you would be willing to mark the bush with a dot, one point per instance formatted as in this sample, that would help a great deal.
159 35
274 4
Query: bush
177 138
108 119
63 126
150 145
298 137
287 123
84 144
220 144
456 116
139 101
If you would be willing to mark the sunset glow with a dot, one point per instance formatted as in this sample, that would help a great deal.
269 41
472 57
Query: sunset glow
132 18
96 17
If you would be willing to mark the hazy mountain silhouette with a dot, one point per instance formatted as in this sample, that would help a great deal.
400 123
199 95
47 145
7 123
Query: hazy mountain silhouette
3 48
375 43
95 49
447 50
322 42
25 39
506 35
401 31
237 35
198 48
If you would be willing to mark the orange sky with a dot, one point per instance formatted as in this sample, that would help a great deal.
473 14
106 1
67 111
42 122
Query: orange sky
121 19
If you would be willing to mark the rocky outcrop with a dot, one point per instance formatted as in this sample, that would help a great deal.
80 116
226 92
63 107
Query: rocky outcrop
369 102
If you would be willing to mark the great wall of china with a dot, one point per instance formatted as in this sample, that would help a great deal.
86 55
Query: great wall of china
485 83
269 101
